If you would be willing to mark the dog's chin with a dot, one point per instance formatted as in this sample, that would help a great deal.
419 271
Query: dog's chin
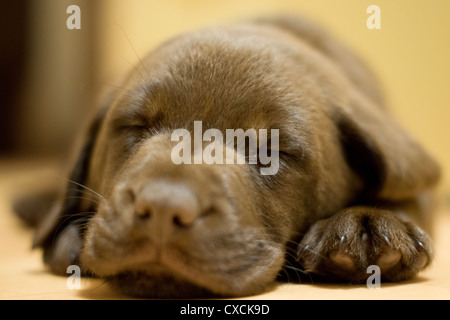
160 285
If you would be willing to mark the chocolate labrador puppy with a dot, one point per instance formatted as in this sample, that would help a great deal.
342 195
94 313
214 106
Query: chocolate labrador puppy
350 188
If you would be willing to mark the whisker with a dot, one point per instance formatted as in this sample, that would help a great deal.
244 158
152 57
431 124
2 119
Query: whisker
294 243
296 269
85 198
286 274
316 253
80 185
80 214
137 56
286 268
87 188
130 42
113 86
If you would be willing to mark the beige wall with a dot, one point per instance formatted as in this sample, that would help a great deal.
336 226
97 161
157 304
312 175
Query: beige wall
56 88
410 52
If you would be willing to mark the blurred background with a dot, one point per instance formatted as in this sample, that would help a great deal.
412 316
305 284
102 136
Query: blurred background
52 77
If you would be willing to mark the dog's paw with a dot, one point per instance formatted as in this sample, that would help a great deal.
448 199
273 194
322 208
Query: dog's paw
344 245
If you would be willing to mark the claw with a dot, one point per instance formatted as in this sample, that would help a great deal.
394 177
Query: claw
387 240
301 250
341 241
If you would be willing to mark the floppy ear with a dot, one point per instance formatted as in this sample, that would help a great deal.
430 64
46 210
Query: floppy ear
59 232
392 164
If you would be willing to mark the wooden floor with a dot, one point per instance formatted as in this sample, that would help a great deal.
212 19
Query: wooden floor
23 276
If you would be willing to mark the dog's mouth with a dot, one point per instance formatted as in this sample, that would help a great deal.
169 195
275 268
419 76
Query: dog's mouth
218 255
149 273
179 275
157 284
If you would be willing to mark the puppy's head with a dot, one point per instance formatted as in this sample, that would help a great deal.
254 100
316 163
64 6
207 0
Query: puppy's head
163 229
168 229
174 230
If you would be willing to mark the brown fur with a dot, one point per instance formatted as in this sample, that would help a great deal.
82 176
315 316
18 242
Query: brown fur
346 195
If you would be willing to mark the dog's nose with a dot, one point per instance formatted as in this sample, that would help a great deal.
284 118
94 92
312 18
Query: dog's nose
166 205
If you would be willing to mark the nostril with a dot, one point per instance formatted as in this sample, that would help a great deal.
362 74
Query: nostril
183 218
130 196
143 214
177 221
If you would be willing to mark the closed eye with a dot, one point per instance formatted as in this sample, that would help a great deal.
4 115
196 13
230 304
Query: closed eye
133 136
129 131
135 125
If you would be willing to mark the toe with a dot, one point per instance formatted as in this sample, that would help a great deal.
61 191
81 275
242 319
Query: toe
388 259
343 260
